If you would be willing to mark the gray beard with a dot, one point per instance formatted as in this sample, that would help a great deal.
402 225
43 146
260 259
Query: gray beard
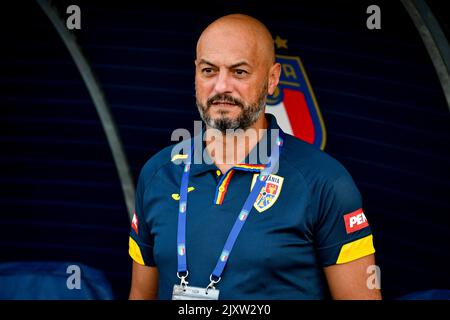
248 116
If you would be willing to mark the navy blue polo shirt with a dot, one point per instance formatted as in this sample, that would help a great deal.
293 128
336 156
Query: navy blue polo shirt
308 216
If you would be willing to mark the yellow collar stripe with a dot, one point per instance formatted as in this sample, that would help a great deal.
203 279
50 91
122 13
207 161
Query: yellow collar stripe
224 187
250 166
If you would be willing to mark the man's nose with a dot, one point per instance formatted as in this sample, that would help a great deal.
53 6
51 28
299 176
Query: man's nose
223 83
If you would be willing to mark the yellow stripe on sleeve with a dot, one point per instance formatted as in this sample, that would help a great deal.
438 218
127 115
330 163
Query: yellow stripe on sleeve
135 252
356 249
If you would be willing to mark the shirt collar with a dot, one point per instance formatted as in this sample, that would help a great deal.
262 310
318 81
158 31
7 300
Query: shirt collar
254 161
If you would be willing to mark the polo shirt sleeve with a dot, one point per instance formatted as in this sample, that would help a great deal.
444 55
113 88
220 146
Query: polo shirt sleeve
141 241
342 230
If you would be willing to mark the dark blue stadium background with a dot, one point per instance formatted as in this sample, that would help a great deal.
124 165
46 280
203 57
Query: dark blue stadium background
383 108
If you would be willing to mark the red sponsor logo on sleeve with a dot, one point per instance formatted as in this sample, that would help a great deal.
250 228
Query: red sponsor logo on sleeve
135 223
355 221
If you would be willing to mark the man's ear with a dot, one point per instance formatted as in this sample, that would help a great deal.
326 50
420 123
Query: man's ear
274 77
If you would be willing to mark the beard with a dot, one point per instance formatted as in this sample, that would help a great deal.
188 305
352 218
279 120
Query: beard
250 112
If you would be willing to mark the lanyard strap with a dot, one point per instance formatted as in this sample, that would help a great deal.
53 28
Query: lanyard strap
240 220
181 233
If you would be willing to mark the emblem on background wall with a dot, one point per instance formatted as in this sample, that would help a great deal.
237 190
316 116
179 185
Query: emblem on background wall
293 103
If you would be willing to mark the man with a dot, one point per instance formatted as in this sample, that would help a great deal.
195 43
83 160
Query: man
304 236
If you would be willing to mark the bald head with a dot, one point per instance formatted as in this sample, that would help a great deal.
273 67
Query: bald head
235 71
241 31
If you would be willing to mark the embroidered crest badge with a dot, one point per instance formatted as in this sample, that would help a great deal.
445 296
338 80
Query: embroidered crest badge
269 193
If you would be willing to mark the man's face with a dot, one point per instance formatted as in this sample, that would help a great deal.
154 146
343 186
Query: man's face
231 80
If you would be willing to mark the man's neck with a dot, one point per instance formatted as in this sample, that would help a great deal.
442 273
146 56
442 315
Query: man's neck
227 150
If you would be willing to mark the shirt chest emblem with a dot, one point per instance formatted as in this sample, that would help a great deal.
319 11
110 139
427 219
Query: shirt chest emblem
269 193
176 196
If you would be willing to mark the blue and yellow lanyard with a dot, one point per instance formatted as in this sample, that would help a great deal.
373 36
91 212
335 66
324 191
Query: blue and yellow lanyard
238 224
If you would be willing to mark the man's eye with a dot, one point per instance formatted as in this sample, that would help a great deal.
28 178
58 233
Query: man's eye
207 70
240 72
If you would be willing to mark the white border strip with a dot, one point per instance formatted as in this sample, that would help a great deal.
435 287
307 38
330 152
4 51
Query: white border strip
434 40
106 117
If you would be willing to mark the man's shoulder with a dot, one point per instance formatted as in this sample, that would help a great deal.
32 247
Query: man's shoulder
312 162
165 158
